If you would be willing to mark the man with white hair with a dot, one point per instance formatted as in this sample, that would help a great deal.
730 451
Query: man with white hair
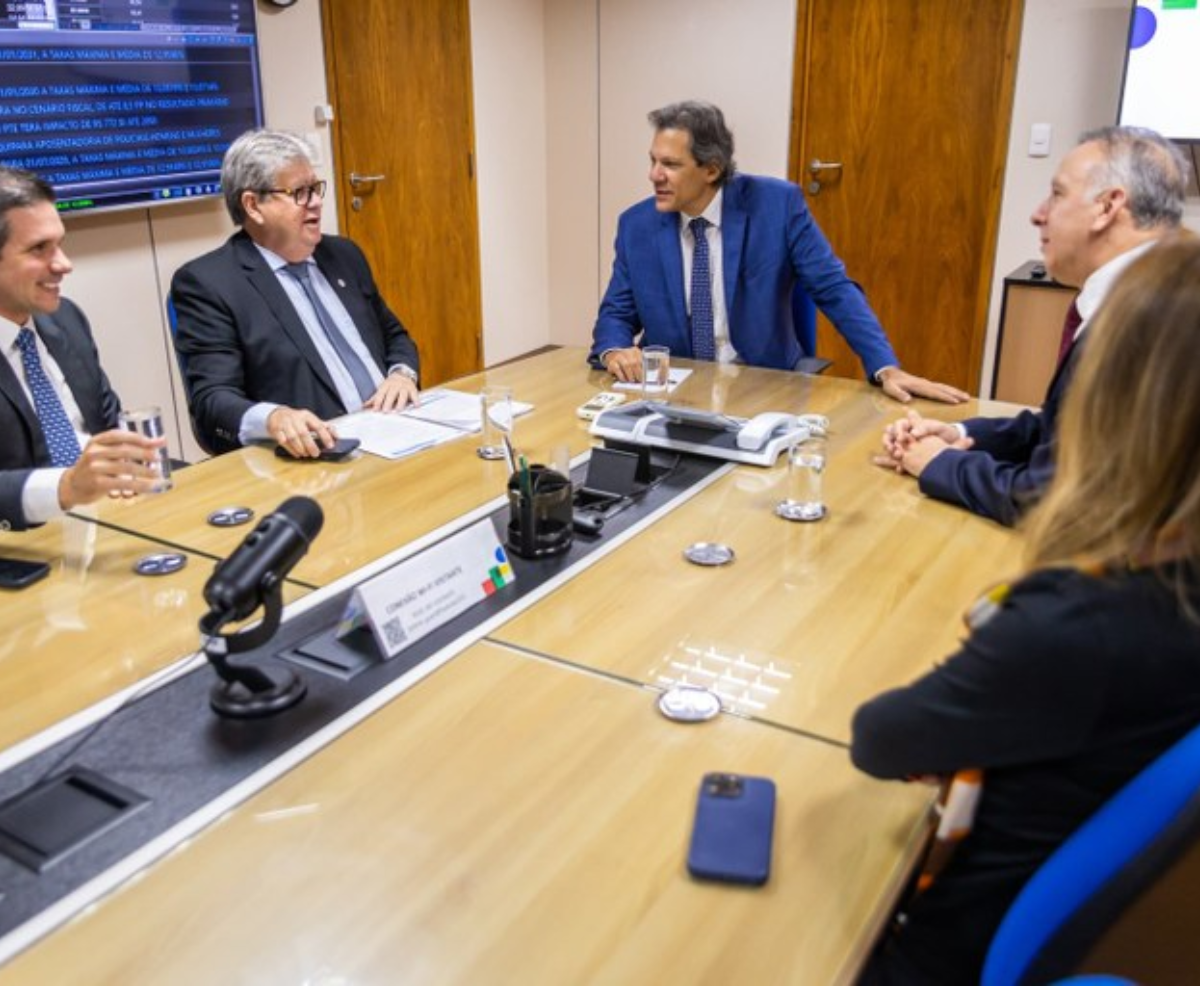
282 328
1119 191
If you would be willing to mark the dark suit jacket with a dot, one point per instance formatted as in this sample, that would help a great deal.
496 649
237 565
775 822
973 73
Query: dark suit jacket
68 337
1011 462
241 341
769 243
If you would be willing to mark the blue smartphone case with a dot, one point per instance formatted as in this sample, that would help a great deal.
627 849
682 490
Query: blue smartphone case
733 828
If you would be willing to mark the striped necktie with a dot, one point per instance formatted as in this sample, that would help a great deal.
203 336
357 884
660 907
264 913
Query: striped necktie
56 426
358 372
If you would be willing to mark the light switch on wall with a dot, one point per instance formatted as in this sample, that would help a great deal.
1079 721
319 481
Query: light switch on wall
1039 140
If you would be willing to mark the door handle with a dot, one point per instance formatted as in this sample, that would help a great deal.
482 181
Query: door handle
817 166
357 180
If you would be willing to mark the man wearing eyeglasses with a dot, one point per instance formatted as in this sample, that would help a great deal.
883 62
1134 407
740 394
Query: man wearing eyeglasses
282 327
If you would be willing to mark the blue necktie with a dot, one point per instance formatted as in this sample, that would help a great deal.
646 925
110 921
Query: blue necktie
56 426
358 372
703 344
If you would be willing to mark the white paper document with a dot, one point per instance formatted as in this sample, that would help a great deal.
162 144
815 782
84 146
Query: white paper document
674 378
442 416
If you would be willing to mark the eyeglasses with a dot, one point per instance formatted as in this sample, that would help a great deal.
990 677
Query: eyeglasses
302 195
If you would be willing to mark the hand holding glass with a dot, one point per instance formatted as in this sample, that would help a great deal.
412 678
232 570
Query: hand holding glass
806 467
148 422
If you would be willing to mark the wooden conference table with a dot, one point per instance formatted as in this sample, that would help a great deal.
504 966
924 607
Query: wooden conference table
522 813
92 628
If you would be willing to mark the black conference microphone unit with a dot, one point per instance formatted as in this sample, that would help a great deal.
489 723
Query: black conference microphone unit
250 577
265 557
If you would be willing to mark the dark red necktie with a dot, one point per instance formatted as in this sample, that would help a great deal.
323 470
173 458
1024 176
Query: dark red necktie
1070 326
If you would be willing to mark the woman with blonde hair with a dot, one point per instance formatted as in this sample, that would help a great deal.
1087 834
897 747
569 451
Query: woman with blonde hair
1080 673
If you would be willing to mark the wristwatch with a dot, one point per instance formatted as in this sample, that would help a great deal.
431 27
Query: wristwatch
405 371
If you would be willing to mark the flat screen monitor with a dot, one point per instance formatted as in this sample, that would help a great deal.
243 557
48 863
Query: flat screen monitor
126 103
1161 89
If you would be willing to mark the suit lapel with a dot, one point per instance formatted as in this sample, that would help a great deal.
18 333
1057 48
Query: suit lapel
75 371
345 285
733 240
266 283
14 393
670 255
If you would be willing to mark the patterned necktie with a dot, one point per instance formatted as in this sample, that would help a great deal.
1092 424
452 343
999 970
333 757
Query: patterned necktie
358 372
1070 326
56 426
703 344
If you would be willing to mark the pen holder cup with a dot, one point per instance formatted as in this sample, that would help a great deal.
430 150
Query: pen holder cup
539 525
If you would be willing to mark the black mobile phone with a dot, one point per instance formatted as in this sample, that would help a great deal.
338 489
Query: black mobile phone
16 573
342 447
733 828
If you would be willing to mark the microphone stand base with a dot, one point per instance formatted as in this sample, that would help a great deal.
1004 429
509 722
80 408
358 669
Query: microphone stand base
235 701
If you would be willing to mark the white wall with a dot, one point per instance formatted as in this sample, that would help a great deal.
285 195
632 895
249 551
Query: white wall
509 66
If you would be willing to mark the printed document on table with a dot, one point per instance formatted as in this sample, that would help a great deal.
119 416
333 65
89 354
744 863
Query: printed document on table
454 409
442 416
674 379
392 436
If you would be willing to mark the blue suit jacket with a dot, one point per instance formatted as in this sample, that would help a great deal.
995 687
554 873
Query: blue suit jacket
770 243
1011 462
68 337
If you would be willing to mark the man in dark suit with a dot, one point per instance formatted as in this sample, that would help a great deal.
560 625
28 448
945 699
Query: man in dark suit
727 295
281 327
1114 195
58 415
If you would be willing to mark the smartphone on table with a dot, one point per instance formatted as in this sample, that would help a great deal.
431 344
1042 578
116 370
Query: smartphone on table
341 448
16 573
733 829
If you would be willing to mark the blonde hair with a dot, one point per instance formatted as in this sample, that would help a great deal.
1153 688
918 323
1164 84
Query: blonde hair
1127 475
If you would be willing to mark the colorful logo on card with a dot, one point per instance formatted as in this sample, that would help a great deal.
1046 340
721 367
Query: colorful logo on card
499 575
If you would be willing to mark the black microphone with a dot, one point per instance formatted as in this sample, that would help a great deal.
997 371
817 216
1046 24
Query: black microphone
239 584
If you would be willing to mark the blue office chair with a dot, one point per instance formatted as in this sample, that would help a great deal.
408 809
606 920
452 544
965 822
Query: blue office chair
804 317
1116 856
181 359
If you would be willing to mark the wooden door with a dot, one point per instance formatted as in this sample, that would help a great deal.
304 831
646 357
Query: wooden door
913 99
399 75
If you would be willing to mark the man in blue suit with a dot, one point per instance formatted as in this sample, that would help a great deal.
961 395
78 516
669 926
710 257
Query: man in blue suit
728 296
1119 191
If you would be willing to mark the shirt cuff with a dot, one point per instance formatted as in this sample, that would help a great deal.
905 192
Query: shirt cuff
39 497
962 429
254 424
877 376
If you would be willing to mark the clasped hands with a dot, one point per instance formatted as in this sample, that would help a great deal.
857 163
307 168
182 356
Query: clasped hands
912 442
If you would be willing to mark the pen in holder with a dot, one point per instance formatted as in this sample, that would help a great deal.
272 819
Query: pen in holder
539 504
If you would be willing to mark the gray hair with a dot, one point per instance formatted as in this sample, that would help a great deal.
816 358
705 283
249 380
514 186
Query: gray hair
1152 171
711 140
253 161
19 190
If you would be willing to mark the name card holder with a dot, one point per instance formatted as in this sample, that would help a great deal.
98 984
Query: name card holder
411 600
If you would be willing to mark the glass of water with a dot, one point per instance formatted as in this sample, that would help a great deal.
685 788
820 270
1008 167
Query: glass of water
803 499
148 422
656 371
496 418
